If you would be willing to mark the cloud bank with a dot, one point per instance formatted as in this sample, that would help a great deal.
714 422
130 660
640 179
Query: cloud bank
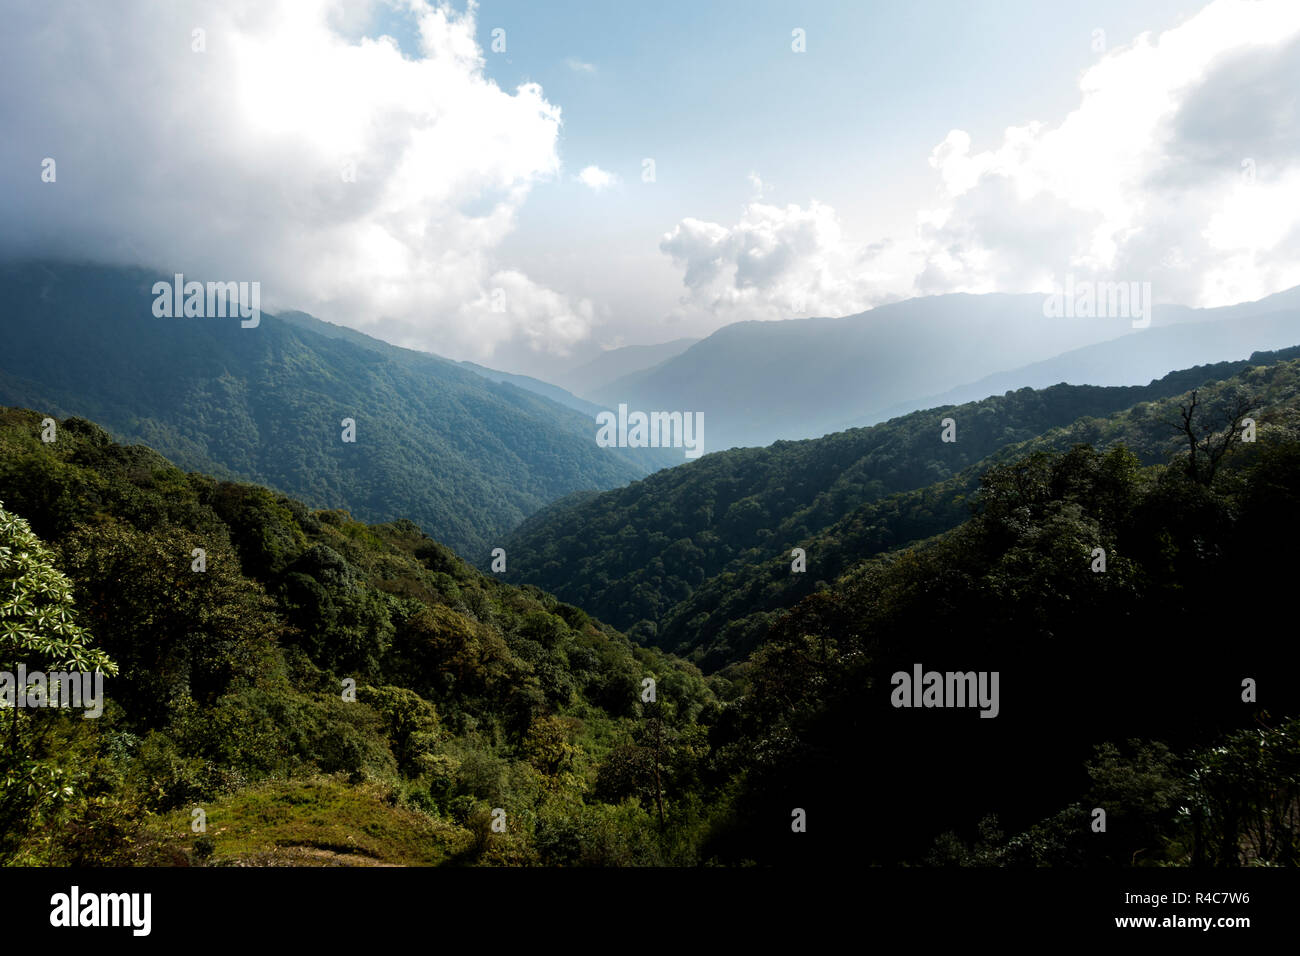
272 140
1180 166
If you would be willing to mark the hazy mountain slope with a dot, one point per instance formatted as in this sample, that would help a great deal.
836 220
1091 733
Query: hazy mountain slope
613 364
758 382
1137 358
645 460
464 457
632 554
537 387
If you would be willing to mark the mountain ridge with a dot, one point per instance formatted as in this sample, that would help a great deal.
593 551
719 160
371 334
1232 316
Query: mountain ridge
759 382
636 555
465 457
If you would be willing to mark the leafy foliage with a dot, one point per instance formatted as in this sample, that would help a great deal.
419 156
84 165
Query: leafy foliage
470 694
1154 648
39 632
495 724
697 559
464 457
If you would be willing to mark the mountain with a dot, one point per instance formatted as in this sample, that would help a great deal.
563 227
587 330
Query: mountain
729 615
758 382
661 555
463 456
646 459
336 693
1135 359
612 364
229 687
537 387
1128 687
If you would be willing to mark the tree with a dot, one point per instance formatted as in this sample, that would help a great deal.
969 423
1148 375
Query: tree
1206 444
1245 800
411 723
172 630
656 720
38 629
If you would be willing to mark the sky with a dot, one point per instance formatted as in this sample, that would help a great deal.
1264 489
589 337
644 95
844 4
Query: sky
523 184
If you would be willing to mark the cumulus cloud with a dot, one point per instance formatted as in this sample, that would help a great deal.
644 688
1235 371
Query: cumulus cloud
515 306
596 179
777 262
1180 166
363 183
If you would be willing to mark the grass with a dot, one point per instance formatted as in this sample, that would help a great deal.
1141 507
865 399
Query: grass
319 821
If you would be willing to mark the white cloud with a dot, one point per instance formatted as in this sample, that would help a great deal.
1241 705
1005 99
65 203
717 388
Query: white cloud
596 179
1142 181
513 306
776 262
230 163
579 66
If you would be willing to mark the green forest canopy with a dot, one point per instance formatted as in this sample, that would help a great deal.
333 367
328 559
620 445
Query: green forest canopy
473 695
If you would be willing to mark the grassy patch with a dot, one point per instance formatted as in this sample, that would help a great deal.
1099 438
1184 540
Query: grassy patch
319 821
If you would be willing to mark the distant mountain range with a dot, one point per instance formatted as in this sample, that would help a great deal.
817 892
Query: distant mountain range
470 452
613 364
1224 334
759 382
464 456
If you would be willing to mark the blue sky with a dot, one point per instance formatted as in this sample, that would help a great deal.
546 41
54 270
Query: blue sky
714 92
496 209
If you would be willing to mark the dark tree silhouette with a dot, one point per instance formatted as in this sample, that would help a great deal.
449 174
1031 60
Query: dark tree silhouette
1211 434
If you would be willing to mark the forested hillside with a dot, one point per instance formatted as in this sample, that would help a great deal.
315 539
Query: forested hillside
463 457
1114 683
494 724
727 616
635 556
470 695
